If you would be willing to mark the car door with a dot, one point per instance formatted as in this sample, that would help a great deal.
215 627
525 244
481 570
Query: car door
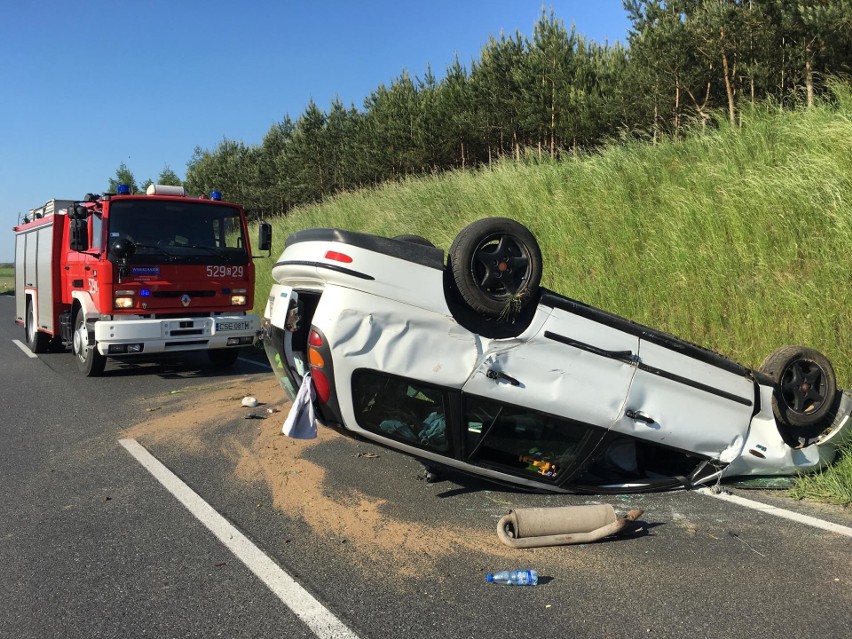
688 399
574 369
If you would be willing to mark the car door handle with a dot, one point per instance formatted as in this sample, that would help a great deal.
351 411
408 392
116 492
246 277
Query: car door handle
638 416
492 374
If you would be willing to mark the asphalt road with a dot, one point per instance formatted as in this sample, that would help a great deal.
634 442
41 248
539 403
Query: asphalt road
92 545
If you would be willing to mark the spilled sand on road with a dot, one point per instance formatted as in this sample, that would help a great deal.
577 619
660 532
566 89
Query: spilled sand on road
193 421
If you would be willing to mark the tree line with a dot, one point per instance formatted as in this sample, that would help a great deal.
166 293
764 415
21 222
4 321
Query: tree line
556 92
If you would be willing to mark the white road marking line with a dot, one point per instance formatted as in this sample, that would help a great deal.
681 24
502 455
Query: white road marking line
25 348
318 618
780 512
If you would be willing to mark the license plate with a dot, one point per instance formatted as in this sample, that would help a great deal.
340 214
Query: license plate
232 326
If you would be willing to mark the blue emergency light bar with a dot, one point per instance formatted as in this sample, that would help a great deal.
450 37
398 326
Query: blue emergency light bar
123 189
216 195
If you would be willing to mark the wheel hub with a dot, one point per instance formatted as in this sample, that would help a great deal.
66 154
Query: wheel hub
81 342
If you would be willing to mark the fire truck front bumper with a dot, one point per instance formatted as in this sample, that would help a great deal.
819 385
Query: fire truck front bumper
129 336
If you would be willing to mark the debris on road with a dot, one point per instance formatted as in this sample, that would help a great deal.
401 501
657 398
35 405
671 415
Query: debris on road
513 577
536 527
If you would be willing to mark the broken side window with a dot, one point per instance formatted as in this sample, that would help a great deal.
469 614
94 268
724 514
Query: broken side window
521 440
405 410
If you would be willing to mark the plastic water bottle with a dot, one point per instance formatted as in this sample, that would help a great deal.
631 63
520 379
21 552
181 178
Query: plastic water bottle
514 577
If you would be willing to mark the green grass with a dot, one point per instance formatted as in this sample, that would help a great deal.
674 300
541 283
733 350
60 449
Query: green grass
833 485
7 279
738 239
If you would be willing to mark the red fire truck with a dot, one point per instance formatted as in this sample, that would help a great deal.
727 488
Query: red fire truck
129 276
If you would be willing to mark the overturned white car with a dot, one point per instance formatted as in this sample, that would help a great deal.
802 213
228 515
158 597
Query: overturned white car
472 365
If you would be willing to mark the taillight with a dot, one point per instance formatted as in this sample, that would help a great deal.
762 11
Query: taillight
321 385
320 380
315 358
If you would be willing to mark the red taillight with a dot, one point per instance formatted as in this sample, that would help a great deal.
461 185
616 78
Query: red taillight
321 385
320 381
337 257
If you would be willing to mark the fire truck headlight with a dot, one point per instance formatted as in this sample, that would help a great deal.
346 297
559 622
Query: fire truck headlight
123 302
238 300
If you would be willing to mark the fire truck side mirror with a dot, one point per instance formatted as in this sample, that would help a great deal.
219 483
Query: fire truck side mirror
78 212
79 235
264 237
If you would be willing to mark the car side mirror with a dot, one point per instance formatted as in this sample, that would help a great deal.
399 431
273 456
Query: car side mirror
264 237
79 234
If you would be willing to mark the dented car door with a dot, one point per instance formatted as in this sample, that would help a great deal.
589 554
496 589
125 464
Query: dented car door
572 367
541 405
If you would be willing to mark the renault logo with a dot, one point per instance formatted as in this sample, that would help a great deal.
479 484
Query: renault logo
185 299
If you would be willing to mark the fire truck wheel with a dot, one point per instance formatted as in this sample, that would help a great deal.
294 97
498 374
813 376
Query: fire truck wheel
36 340
89 361
223 357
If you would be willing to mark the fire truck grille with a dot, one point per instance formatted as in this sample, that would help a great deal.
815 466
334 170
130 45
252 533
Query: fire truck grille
172 294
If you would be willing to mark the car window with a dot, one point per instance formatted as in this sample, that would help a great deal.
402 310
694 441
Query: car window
520 440
401 409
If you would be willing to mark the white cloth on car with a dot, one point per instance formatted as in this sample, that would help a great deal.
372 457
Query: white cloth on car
300 422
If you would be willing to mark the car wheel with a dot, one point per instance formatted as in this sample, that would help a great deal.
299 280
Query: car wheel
36 340
414 239
496 267
89 361
223 357
805 387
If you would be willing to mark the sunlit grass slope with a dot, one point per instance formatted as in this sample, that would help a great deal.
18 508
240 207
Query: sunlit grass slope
738 239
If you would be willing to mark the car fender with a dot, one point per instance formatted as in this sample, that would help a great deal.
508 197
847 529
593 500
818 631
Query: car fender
840 431
766 453
368 331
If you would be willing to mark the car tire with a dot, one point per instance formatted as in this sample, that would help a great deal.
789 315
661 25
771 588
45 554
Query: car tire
223 357
805 395
414 239
89 361
36 340
496 267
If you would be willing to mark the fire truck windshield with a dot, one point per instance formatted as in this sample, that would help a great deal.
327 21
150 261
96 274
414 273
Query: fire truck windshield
177 232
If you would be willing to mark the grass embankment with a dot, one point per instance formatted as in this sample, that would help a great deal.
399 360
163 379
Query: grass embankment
7 279
737 239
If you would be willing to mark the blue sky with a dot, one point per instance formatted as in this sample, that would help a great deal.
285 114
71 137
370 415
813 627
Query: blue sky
87 85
